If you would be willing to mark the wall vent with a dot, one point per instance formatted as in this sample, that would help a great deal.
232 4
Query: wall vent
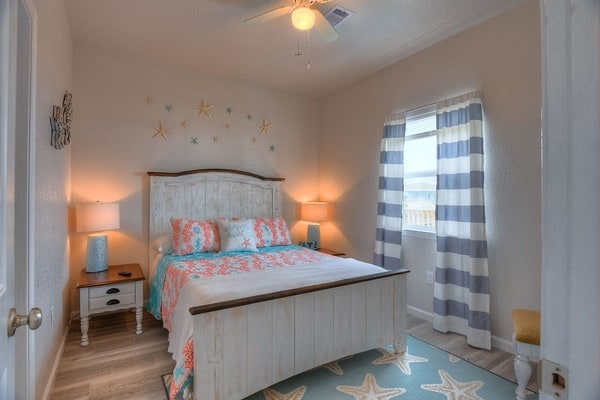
337 15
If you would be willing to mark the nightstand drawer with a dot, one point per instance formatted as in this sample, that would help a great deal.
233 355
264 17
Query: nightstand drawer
113 301
111 290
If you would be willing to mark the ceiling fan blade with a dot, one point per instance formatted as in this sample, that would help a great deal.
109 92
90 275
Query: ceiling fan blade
269 15
324 27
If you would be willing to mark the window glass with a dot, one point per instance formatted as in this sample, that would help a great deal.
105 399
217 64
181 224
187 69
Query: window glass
420 166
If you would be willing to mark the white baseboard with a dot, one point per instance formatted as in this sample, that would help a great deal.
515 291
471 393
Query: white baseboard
417 312
497 343
503 344
58 355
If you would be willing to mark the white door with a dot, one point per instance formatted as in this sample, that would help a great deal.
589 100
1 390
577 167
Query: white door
15 117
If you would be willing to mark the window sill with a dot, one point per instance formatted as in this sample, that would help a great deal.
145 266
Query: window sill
413 233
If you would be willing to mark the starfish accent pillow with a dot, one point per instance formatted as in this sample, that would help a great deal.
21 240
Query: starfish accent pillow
237 235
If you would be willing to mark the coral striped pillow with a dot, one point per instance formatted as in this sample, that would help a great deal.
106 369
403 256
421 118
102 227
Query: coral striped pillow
271 232
194 236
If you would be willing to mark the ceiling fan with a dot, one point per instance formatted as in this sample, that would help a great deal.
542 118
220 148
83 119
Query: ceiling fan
303 18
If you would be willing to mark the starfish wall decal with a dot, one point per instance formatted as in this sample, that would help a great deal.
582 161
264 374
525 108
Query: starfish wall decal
264 127
203 108
168 107
183 124
161 131
148 100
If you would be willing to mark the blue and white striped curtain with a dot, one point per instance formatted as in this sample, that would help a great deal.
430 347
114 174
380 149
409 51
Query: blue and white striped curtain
388 241
461 289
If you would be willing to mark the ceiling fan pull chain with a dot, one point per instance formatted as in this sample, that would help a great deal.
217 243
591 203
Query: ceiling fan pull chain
308 49
298 53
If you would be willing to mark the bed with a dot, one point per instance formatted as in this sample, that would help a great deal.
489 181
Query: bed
242 332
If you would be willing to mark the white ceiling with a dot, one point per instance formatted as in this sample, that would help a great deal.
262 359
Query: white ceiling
209 35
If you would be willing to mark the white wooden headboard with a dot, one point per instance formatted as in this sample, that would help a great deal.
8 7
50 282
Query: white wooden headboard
209 193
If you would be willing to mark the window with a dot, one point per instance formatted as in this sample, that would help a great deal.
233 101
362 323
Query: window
420 166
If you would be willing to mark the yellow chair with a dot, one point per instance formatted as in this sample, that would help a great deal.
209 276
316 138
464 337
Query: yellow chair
526 338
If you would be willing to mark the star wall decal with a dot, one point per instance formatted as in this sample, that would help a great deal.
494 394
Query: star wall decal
402 361
253 139
148 100
296 394
227 125
264 127
272 147
203 108
249 117
370 390
453 389
169 107
183 124
194 140
229 110
215 139
161 131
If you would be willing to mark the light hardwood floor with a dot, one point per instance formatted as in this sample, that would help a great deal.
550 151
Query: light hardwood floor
118 364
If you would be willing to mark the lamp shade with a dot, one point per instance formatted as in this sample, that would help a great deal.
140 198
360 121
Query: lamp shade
97 217
313 211
303 18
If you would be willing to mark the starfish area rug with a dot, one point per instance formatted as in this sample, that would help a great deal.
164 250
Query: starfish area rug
424 372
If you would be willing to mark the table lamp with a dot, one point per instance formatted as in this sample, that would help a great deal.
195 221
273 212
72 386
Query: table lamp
97 217
314 212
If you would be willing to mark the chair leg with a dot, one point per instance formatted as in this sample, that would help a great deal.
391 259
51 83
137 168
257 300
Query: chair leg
523 372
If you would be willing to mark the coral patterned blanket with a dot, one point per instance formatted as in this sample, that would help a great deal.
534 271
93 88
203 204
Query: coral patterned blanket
175 273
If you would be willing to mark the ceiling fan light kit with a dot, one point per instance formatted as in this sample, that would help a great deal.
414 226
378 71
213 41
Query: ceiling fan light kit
303 18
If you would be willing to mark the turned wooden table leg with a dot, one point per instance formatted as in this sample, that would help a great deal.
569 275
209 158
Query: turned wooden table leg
138 318
85 324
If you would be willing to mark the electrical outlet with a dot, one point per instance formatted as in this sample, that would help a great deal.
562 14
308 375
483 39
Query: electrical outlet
429 279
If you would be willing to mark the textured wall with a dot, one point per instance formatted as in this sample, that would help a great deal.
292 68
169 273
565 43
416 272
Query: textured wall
114 146
52 185
500 57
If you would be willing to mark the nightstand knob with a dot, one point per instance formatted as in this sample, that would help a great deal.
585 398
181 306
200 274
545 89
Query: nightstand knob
112 291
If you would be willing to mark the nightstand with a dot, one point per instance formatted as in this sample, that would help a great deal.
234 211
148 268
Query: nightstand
331 252
108 291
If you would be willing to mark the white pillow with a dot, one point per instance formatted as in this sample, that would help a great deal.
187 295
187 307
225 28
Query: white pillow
163 244
237 235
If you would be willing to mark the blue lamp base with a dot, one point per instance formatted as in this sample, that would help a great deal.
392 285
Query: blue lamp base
97 253
314 234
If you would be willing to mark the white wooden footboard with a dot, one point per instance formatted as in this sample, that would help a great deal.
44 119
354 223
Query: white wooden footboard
247 345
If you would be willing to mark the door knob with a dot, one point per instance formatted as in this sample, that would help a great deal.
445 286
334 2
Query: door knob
33 320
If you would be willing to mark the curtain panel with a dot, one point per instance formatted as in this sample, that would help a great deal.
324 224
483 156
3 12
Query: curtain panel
461 287
388 240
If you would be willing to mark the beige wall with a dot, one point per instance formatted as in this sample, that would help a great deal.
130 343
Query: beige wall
113 147
52 186
500 57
